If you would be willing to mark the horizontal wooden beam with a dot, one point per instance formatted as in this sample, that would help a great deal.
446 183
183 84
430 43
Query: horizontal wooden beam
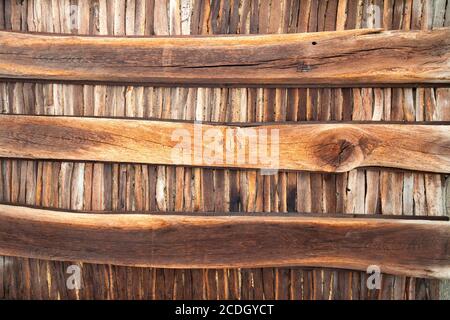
404 247
341 58
326 147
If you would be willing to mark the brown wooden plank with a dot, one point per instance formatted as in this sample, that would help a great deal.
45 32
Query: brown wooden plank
343 58
405 247
328 147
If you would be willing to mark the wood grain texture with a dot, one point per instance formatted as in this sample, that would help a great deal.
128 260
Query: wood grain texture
406 247
343 58
335 147
108 186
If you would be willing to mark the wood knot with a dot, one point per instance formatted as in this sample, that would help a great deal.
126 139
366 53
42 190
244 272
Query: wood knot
342 149
303 67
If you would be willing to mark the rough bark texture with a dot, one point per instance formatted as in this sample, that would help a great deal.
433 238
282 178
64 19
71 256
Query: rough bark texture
339 58
123 187
309 147
403 247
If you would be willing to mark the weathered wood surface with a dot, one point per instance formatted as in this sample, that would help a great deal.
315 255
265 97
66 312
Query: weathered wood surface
405 247
110 186
335 147
343 58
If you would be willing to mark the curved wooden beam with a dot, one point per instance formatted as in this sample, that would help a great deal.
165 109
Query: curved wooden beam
327 147
338 58
404 247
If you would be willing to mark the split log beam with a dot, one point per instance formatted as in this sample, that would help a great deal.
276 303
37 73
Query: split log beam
405 247
338 58
320 147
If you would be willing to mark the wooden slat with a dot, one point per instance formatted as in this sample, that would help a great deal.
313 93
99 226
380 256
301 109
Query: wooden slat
328 147
406 247
342 58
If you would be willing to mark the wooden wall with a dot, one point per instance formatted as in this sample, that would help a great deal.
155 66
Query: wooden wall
98 186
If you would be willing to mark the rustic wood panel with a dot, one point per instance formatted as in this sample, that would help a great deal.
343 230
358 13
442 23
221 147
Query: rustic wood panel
340 58
136 187
333 147
397 246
